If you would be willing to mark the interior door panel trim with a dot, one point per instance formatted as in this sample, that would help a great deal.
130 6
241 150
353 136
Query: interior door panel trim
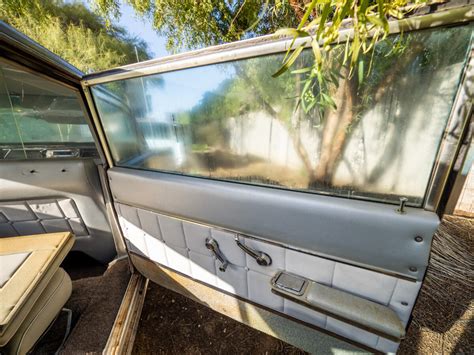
367 234
74 179
355 310
181 246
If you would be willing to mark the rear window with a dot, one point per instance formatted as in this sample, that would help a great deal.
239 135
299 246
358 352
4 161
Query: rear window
232 121
37 114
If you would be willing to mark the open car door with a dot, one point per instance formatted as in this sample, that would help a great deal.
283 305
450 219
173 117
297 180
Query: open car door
290 218
307 223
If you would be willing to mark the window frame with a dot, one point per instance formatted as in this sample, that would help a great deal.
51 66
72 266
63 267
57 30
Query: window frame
447 153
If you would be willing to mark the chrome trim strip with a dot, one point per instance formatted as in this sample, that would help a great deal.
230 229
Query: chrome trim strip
262 46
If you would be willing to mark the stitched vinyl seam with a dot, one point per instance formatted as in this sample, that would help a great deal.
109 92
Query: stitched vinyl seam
41 310
187 249
157 218
377 344
143 231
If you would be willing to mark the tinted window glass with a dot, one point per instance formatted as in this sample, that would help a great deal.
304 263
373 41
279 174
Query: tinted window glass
36 113
233 121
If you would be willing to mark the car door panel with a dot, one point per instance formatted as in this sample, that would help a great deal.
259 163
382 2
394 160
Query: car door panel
39 196
246 279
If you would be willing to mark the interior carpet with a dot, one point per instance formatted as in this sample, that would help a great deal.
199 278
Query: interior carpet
94 303
173 324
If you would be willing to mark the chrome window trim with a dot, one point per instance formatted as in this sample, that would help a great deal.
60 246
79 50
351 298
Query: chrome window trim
97 128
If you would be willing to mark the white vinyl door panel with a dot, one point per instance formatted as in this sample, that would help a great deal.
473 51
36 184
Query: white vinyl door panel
180 245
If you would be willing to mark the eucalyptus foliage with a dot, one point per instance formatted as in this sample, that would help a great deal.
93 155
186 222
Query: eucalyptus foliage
321 24
193 24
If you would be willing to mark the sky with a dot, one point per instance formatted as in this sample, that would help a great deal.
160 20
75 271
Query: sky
180 90
142 29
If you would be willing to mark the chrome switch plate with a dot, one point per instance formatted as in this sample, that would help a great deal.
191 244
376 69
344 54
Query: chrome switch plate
290 283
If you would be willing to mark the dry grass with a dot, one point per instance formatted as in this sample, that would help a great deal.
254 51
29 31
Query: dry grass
443 316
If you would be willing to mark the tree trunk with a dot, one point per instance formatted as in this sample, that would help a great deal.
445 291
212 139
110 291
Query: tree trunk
335 130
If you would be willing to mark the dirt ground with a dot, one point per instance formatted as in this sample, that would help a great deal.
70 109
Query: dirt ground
442 319
173 324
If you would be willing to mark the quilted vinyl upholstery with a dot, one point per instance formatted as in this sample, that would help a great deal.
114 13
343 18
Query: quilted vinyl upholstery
180 245
40 216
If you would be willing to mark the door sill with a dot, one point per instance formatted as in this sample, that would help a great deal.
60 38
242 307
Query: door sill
122 335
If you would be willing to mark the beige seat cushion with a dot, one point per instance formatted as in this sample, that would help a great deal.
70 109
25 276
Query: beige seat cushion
44 311
28 276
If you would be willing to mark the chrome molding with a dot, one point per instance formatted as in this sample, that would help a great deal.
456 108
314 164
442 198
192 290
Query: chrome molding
87 115
263 45
452 139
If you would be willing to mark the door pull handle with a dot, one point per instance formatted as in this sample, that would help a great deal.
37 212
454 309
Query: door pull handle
263 259
213 246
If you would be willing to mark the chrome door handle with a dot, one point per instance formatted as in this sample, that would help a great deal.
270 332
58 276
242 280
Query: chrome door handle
262 258
213 246
61 153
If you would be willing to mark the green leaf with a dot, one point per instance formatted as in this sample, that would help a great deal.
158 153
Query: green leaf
317 51
307 86
324 17
361 71
291 32
301 71
307 14
291 59
376 21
